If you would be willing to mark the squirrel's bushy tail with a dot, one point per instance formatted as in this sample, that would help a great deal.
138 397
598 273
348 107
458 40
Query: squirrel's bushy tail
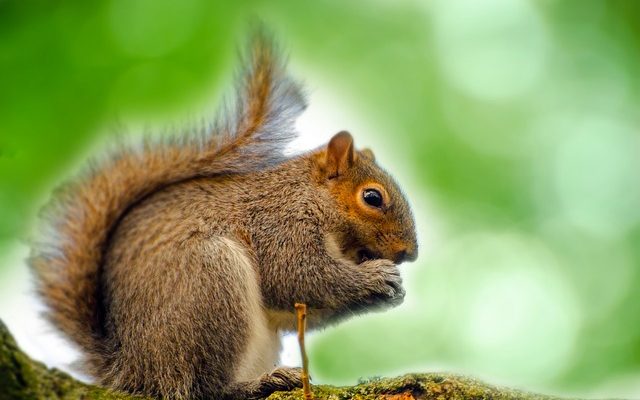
67 260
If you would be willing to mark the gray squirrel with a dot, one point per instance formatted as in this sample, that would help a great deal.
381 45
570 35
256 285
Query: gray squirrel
175 267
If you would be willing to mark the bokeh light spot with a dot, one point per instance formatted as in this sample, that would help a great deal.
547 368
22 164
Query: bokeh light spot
596 175
501 287
493 49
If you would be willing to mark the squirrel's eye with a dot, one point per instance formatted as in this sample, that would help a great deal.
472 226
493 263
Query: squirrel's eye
372 197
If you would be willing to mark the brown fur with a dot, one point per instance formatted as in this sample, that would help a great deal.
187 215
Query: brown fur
174 268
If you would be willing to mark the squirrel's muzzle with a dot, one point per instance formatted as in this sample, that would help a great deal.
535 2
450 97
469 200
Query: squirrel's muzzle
405 255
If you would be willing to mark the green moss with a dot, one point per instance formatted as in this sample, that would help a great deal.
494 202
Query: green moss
414 386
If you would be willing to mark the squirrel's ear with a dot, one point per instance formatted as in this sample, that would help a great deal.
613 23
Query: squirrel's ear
340 154
368 154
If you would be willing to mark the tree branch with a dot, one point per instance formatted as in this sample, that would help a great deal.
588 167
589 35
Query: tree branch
23 378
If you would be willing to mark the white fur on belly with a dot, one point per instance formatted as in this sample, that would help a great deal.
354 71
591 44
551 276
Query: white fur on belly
261 354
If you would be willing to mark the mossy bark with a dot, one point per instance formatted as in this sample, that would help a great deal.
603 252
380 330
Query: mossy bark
23 378
415 386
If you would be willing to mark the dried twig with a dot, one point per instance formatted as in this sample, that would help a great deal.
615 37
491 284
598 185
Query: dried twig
301 311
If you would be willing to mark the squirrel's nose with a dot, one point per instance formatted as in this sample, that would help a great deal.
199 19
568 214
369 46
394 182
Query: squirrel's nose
405 255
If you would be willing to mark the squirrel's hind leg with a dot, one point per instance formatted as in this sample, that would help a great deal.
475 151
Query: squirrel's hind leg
188 319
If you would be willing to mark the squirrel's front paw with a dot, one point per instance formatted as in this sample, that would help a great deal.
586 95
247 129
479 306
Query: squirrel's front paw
384 282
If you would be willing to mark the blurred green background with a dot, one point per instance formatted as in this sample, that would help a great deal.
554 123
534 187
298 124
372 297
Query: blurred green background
513 125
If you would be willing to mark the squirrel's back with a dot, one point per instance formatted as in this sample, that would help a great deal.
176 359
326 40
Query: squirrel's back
82 215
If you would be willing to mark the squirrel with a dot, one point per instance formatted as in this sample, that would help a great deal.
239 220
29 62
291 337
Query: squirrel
174 266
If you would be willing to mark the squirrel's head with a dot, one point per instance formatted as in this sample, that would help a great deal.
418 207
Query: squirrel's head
376 221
